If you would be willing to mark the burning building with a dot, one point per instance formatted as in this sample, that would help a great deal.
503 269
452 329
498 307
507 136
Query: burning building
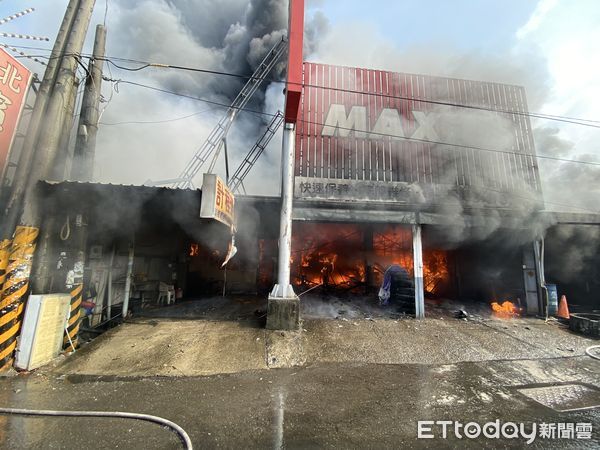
431 172
435 176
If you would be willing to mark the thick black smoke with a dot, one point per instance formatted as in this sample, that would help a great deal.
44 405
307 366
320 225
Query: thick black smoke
230 36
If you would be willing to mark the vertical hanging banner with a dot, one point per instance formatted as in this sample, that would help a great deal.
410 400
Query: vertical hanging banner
217 200
14 84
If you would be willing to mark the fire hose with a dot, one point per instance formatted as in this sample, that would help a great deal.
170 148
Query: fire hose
185 439
588 351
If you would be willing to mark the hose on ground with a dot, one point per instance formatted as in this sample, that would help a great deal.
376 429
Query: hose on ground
112 414
588 351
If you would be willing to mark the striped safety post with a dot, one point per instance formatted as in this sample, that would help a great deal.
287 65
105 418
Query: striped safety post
74 319
4 255
14 291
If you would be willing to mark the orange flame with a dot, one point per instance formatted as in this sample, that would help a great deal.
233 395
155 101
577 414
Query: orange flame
505 310
346 255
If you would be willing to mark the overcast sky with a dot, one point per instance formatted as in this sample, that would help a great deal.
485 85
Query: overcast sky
549 46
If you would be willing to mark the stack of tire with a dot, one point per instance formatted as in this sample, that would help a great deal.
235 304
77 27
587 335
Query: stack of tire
402 292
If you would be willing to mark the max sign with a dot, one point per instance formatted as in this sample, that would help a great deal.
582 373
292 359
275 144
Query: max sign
390 123
14 84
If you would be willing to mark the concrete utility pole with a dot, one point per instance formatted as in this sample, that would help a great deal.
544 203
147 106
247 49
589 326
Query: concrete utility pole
39 111
48 143
283 308
85 145
62 161
49 152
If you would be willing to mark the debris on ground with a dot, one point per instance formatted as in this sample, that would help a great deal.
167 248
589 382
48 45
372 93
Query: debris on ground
461 314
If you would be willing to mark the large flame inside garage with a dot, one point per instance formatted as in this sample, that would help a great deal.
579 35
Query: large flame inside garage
354 257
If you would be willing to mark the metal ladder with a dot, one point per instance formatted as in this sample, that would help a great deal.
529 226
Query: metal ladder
215 139
259 147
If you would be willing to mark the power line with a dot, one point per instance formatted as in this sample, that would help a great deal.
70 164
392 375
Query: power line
158 121
16 15
402 137
426 141
261 113
572 120
145 64
105 11
24 36
20 54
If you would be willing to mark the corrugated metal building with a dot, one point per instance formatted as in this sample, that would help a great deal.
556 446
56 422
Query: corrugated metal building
375 135
388 165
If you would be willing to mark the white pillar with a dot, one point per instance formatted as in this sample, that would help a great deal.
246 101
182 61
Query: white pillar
283 308
128 281
283 288
418 270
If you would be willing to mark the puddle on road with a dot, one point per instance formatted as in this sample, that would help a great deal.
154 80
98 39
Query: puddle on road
564 397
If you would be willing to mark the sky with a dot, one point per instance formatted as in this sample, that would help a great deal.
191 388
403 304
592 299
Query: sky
550 47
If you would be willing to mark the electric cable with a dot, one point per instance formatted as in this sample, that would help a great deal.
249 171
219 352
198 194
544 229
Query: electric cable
105 11
185 439
157 121
410 139
146 64
116 82
394 136
572 120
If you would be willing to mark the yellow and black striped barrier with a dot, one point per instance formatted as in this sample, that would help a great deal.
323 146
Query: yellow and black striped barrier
74 319
4 255
14 291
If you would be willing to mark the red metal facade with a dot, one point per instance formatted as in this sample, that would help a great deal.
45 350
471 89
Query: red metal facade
418 151
294 69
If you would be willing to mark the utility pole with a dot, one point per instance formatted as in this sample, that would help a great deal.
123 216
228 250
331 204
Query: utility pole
42 145
73 243
48 153
85 145
49 141
39 111
62 161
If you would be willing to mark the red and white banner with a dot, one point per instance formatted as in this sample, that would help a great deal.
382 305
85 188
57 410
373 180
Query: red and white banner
14 84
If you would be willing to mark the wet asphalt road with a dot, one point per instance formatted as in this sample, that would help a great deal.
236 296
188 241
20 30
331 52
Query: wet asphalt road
320 406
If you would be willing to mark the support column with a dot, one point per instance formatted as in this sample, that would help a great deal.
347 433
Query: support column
418 272
283 309
128 281
533 278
